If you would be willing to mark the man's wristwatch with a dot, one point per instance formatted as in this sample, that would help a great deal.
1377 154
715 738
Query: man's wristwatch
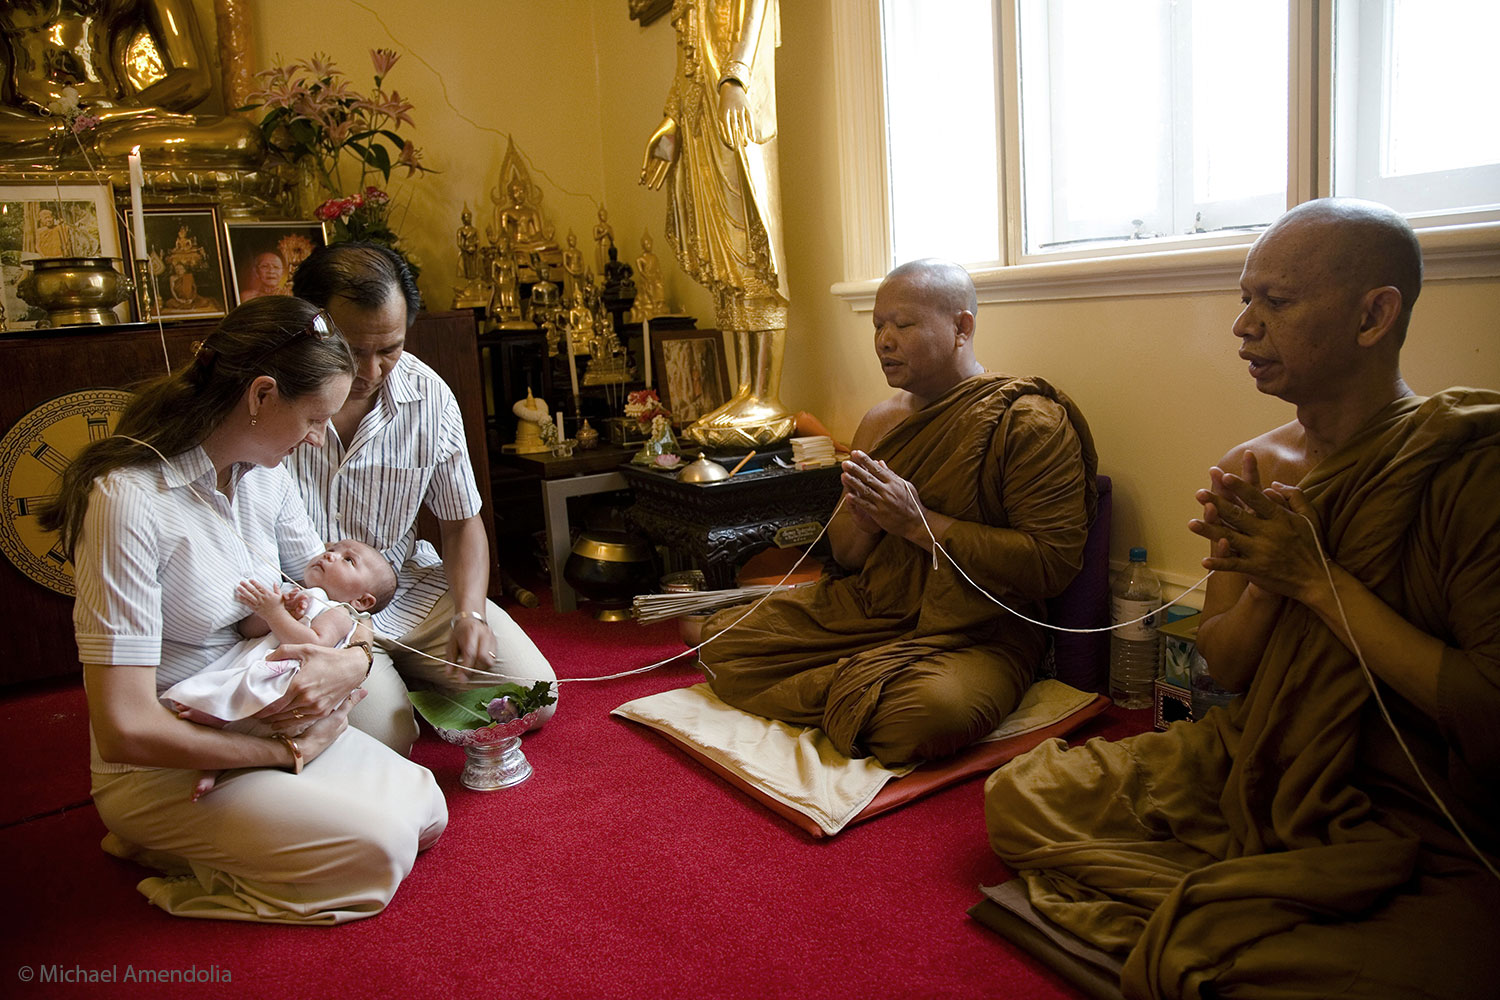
369 654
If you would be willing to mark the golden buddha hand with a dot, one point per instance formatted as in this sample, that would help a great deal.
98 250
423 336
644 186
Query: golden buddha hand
736 122
661 153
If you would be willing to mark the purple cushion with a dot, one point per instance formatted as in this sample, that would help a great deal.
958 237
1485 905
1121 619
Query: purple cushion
1083 660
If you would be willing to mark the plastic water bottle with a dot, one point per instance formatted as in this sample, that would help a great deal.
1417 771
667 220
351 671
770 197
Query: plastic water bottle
1134 650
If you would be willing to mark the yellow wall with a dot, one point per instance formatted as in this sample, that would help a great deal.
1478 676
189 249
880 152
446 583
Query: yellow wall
581 86
576 83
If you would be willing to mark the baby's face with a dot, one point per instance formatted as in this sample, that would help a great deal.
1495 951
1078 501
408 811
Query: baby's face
348 570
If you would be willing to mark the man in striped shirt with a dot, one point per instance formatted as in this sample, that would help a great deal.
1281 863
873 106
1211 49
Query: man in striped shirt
395 446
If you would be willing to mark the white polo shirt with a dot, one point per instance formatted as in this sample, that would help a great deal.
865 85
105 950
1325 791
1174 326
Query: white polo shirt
407 452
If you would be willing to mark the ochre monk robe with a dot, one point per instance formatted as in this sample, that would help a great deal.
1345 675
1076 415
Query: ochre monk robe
1284 846
905 661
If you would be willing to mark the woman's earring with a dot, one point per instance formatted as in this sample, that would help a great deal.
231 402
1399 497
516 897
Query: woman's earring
253 421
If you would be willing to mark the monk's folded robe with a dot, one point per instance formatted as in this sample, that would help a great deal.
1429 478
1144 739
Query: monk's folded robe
1284 846
905 661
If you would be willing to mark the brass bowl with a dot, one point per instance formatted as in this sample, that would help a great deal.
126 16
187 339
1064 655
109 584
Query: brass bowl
75 291
705 470
609 568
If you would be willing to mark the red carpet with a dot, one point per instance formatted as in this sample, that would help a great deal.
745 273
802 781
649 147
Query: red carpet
620 869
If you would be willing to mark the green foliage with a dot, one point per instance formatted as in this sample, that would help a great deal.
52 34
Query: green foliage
466 709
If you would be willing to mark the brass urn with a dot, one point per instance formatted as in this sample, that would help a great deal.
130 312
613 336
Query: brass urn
75 291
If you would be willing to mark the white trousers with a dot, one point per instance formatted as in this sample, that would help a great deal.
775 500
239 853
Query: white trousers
325 846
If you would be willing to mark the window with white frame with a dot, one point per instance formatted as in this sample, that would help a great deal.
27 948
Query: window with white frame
1027 131
1416 121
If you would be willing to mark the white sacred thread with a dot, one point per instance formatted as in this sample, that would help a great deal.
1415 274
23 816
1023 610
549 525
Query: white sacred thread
476 671
1384 712
936 548
1348 630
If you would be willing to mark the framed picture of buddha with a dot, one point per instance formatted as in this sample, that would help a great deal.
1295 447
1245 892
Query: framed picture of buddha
692 373
186 259
40 219
263 256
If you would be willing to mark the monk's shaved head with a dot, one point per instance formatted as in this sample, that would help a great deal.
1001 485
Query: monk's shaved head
1358 245
942 282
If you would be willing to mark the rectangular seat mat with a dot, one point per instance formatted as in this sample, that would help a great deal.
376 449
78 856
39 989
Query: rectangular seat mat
796 772
1007 910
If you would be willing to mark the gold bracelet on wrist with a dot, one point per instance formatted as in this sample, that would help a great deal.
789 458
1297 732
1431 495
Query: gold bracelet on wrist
369 654
476 615
291 744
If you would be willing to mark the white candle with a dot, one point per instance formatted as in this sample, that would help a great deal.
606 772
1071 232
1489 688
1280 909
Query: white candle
560 435
646 348
137 180
572 371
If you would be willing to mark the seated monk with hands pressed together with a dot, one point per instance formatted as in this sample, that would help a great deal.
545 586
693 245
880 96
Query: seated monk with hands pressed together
1285 845
903 659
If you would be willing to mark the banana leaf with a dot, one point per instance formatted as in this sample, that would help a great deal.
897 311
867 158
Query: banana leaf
466 709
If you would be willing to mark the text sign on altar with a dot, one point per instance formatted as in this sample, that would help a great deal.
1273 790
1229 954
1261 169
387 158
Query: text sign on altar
796 534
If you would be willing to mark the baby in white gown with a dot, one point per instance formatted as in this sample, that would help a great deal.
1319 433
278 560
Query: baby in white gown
343 586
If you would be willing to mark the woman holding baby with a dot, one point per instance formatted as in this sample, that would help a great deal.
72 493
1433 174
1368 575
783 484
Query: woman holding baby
163 521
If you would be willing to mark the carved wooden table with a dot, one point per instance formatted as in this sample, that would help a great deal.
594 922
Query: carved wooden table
724 523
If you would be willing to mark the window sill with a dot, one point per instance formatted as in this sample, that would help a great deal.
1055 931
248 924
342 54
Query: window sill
1449 252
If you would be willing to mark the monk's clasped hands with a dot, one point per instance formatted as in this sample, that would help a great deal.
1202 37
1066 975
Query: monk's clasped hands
1267 534
880 498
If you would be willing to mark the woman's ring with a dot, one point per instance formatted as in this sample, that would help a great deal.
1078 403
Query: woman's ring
493 656
296 714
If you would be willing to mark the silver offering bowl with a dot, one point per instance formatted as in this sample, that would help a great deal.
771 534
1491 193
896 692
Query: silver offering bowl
493 757
75 291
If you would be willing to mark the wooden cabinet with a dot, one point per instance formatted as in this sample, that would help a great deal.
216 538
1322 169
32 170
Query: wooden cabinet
40 366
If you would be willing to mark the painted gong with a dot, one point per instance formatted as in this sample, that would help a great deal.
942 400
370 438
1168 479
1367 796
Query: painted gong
33 455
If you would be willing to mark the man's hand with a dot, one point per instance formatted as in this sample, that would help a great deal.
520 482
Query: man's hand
1271 536
880 500
473 645
320 685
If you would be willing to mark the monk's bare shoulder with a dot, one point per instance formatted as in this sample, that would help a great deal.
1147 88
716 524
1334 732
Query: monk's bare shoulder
883 416
1281 455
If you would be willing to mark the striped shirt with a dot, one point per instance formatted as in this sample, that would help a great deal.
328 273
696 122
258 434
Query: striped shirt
160 553
407 452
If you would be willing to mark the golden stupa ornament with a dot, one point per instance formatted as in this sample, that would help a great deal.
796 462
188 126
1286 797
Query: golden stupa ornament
716 151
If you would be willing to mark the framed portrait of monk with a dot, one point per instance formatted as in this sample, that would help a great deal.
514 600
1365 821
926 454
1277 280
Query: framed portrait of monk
42 219
692 372
186 260
263 256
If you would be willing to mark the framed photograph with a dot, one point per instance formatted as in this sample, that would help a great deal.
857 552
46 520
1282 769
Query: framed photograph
692 374
41 219
186 262
263 256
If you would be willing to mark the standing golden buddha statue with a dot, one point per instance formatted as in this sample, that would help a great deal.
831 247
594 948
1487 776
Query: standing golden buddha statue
716 151
135 65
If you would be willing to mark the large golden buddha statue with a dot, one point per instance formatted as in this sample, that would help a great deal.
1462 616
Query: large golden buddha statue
716 151
136 65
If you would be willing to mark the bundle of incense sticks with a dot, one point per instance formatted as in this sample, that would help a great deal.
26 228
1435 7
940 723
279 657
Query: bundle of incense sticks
656 607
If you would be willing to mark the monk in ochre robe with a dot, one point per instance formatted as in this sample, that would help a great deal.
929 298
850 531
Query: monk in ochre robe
904 659
1285 846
